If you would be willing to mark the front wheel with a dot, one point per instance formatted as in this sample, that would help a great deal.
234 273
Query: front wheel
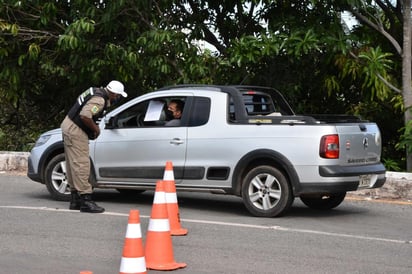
56 179
266 192
323 201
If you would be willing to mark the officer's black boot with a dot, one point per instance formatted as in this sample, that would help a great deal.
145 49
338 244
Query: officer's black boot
74 200
88 205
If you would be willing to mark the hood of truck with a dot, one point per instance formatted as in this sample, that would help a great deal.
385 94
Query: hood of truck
53 132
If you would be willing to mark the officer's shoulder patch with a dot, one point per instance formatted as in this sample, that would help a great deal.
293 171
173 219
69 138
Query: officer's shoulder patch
95 109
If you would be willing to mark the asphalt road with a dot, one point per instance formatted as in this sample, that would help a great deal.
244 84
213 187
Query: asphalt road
40 235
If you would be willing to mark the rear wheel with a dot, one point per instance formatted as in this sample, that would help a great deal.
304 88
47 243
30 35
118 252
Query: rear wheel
266 192
56 179
323 201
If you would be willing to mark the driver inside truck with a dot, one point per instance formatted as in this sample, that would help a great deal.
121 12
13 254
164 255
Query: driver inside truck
175 108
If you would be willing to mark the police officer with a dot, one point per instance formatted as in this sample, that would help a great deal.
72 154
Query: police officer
79 126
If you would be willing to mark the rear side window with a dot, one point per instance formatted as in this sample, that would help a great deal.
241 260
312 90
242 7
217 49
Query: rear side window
258 104
200 111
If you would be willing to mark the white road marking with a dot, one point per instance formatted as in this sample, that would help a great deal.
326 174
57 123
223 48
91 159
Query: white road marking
277 228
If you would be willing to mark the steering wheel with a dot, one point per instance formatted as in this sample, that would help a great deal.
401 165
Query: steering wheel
140 119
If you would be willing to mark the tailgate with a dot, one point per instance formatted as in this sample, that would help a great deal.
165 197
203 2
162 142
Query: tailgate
360 143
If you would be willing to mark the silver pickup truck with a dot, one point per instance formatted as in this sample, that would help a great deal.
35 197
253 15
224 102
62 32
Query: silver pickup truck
239 140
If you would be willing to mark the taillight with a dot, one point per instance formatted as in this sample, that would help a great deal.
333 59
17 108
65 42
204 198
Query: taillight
329 146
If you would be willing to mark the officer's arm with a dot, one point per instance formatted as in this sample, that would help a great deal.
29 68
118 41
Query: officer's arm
90 124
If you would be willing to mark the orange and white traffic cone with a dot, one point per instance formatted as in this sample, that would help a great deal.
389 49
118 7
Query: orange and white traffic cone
171 201
133 260
159 248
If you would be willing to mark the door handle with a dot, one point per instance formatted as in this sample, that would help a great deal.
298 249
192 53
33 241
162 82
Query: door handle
176 141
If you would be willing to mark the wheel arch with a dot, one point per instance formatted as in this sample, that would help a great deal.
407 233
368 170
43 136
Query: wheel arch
50 153
264 157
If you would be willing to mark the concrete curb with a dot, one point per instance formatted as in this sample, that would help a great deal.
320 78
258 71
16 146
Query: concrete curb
13 161
398 184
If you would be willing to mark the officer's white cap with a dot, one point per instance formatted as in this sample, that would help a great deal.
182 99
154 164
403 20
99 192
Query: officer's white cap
116 87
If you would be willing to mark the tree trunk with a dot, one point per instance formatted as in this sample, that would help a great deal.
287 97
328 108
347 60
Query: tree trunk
406 72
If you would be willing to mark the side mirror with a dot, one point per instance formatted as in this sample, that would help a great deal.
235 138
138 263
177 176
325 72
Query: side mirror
111 123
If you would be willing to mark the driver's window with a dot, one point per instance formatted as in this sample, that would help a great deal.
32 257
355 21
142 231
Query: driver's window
164 111
130 117
150 113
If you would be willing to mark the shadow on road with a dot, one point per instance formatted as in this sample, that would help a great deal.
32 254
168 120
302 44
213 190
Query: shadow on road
226 204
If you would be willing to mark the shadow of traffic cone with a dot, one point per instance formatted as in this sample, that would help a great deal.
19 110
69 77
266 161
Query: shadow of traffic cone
159 249
133 260
171 201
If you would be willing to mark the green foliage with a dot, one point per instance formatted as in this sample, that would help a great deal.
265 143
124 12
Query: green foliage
303 43
405 138
377 63
367 71
392 165
50 51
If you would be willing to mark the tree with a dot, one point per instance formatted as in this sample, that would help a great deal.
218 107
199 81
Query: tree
392 20
297 39
51 50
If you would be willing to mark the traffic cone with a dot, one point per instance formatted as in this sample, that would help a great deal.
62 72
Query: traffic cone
133 260
159 249
86 272
171 201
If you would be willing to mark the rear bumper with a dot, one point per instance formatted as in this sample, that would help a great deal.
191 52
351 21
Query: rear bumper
347 179
335 187
347 171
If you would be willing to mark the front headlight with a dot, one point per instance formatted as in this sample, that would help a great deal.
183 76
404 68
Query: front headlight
42 140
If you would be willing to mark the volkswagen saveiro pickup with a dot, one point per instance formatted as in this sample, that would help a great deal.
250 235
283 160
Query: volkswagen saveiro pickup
238 140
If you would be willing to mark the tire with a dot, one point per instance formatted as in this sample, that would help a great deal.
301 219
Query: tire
323 201
56 180
266 192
